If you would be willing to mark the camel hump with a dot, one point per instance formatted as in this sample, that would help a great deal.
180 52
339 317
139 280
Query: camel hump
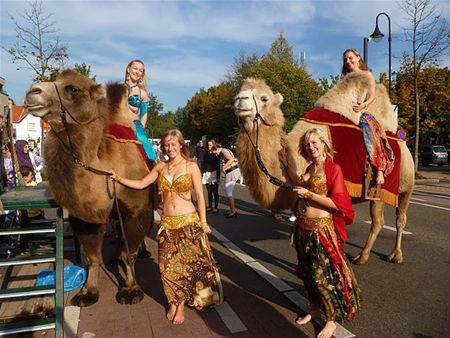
354 88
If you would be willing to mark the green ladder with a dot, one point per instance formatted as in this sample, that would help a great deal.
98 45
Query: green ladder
38 197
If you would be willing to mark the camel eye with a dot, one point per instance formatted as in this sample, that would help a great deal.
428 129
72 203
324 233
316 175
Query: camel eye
72 89
264 99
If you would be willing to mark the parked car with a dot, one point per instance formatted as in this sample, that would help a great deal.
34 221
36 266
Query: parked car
432 154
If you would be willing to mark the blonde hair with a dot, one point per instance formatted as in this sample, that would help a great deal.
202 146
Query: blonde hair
143 82
361 63
305 138
185 152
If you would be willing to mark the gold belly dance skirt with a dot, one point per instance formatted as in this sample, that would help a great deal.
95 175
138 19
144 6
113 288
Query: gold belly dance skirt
186 263
324 268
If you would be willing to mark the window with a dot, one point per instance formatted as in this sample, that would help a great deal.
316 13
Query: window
32 126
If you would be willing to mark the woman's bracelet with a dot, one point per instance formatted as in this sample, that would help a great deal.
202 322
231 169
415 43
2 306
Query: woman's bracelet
204 225
308 195
118 178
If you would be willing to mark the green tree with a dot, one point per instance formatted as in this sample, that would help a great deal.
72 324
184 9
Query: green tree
428 33
37 45
85 70
154 109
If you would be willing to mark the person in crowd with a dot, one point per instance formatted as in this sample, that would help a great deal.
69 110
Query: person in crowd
323 209
138 103
211 177
200 152
9 168
188 270
380 153
26 158
27 174
230 168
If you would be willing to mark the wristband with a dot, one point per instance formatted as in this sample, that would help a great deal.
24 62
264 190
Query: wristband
204 225
118 178
308 195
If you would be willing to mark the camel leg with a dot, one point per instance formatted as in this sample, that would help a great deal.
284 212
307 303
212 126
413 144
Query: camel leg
396 256
377 216
136 228
91 237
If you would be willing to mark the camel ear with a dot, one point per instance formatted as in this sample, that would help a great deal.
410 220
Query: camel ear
97 92
278 99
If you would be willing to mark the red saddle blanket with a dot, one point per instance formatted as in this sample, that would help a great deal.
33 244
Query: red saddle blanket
124 134
350 153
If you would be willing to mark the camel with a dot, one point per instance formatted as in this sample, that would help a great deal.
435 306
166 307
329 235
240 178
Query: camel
84 193
260 118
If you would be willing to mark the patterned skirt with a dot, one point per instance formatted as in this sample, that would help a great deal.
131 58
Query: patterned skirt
188 270
381 155
324 269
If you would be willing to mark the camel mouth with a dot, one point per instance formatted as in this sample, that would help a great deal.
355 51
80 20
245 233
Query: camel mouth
243 112
37 109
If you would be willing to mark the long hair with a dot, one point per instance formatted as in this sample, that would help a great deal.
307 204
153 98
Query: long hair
185 151
305 138
361 63
143 82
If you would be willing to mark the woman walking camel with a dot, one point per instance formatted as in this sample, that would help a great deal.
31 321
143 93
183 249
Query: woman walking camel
188 271
318 233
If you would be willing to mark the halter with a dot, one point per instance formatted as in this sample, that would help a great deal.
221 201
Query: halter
272 179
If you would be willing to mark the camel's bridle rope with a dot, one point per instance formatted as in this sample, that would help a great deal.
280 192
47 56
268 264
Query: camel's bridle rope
70 148
272 179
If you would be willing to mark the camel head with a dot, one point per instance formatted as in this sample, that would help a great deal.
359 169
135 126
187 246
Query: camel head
256 97
77 93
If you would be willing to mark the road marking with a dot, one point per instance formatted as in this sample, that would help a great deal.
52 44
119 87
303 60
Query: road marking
430 205
391 228
71 320
418 199
230 318
295 297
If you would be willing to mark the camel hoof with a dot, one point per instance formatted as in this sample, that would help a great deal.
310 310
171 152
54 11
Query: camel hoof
85 298
360 260
396 258
132 295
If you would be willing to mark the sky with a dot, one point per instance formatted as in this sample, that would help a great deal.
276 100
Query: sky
190 45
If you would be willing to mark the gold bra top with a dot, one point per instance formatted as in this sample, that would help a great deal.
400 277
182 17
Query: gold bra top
181 184
316 184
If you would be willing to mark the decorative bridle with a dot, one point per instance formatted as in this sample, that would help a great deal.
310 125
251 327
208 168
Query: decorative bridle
272 179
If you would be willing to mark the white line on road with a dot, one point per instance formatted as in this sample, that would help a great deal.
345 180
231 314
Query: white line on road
430 205
391 228
295 297
418 199
230 318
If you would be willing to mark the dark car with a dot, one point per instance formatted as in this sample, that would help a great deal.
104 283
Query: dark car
432 154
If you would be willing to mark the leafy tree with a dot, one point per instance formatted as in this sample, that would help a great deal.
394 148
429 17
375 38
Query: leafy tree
84 69
434 100
155 107
36 44
326 85
428 35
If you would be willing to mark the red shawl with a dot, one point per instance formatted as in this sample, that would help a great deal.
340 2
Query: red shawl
338 193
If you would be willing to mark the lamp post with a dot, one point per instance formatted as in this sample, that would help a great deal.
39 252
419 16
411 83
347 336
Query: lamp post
377 36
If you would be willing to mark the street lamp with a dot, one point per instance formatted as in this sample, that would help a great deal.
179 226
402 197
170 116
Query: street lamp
377 36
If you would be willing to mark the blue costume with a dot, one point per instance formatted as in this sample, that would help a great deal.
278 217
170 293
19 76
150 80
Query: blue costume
141 135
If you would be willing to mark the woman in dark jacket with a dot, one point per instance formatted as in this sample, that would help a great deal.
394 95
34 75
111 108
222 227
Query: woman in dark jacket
211 177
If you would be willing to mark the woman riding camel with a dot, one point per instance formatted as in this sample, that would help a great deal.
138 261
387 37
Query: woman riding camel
380 152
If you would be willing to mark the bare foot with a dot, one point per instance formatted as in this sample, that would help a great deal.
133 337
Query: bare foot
304 320
313 313
380 177
179 315
171 313
327 330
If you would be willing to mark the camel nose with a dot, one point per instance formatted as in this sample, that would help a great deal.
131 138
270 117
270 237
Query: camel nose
34 90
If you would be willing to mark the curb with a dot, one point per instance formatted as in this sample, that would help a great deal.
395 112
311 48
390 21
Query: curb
426 180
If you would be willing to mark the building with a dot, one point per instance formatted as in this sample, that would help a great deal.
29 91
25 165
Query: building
27 127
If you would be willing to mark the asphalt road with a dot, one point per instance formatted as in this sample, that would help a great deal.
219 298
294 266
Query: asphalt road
404 300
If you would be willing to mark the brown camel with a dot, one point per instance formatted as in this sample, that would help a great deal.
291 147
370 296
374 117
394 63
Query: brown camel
256 97
85 194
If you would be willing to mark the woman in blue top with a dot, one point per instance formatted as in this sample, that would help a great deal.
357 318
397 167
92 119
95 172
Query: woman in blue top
138 103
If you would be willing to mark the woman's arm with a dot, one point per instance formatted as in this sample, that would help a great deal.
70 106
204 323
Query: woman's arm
311 196
198 189
142 183
370 97
229 158
144 108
